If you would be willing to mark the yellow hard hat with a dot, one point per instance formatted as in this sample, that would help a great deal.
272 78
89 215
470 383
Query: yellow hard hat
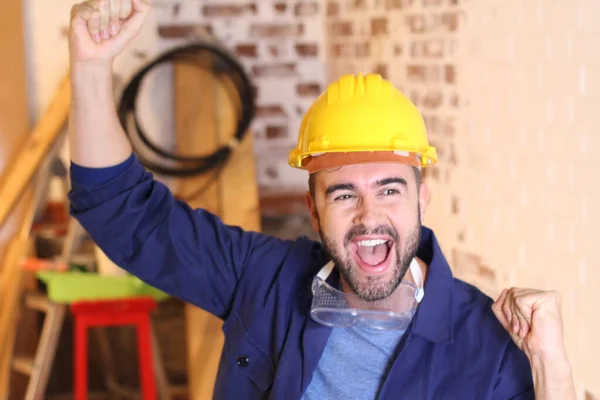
358 114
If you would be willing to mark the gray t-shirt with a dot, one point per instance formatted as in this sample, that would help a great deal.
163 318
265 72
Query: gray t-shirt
353 365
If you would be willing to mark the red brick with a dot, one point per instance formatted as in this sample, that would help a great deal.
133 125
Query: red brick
416 23
428 48
430 22
379 26
181 31
381 69
450 20
455 205
398 4
449 126
270 110
415 73
306 8
340 50
432 99
357 5
283 69
425 73
397 49
246 50
341 28
434 125
471 263
308 89
453 160
333 8
450 74
280 7
363 49
307 49
435 172
432 3
454 100
276 30
440 126
276 131
229 10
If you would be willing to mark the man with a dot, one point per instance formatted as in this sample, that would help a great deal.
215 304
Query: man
372 312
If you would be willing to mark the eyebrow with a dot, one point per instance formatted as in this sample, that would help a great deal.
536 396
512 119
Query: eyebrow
350 186
389 181
339 186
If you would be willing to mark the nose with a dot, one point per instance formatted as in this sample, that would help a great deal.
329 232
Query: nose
367 213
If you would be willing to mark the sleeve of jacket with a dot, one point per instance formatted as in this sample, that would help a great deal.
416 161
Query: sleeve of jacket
188 253
515 380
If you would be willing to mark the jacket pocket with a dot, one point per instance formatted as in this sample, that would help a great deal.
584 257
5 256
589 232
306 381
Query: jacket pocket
247 362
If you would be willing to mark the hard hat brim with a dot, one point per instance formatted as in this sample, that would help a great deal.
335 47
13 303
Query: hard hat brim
338 159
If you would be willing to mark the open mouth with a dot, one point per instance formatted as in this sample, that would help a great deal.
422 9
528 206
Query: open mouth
372 253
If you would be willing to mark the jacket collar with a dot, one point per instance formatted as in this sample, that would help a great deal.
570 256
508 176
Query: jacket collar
434 319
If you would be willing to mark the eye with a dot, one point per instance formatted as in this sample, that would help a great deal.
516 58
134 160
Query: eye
343 197
389 192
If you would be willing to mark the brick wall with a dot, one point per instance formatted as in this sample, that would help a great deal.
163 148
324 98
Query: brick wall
278 42
509 93
509 90
280 45
529 75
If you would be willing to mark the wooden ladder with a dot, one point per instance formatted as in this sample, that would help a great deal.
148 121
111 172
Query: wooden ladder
18 184
12 290
38 368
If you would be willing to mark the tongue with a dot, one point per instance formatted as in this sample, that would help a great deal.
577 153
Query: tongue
373 255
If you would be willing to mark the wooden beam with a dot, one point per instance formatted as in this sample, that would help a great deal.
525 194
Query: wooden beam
195 121
14 127
205 119
31 154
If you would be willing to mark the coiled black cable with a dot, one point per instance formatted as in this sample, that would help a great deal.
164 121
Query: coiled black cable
222 65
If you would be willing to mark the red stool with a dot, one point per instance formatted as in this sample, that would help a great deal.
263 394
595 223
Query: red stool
115 312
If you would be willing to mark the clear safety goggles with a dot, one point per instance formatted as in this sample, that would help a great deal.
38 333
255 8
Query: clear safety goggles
334 308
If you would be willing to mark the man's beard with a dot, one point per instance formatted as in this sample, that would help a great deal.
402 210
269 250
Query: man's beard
374 287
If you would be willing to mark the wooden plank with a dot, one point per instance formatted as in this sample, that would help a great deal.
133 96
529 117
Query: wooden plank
203 123
9 308
31 154
14 118
195 119
238 179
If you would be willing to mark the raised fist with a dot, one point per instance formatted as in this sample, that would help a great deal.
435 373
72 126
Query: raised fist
101 29
533 320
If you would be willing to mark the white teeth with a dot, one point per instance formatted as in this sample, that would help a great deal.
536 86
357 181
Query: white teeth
371 243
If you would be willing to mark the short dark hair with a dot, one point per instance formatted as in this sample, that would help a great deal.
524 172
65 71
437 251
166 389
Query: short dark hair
312 177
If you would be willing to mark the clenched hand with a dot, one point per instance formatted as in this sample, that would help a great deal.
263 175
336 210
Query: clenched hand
533 320
101 29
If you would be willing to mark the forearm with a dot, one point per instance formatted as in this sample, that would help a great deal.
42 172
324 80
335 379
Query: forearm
552 379
96 138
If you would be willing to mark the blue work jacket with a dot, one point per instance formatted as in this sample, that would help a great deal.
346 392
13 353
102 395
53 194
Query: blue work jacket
260 286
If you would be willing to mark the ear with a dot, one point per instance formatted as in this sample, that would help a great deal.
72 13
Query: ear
312 208
423 199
